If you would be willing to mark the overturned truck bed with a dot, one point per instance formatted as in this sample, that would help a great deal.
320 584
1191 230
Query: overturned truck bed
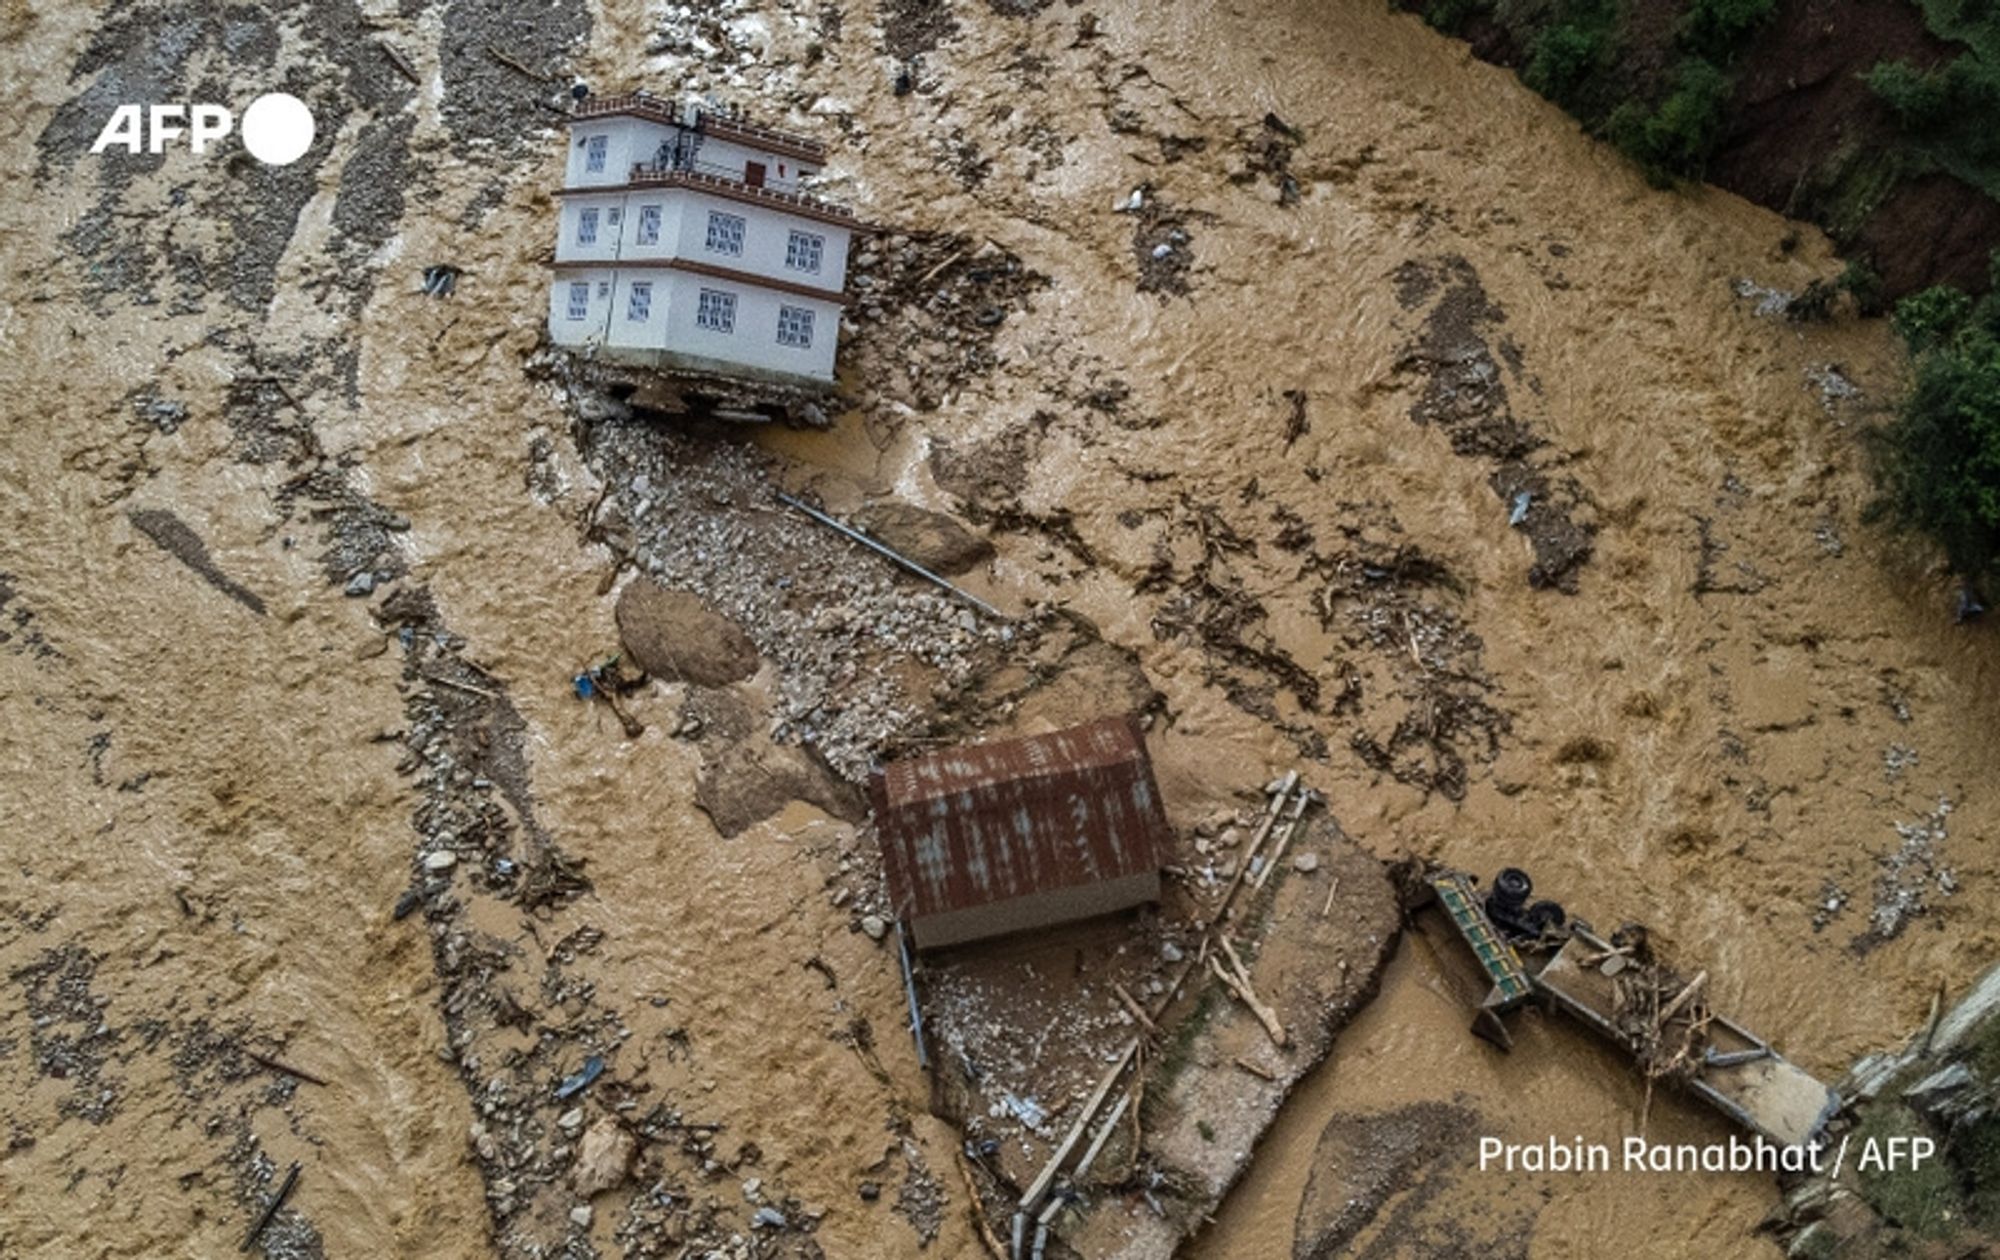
1713 1057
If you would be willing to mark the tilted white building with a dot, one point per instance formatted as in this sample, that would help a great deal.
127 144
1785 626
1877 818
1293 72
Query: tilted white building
687 244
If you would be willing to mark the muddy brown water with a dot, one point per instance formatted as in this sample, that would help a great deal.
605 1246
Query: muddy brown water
1719 732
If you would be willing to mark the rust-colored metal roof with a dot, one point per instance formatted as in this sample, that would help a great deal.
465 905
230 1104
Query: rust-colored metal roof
990 822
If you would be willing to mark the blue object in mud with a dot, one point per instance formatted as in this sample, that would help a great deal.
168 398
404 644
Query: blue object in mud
1522 501
585 688
580 1080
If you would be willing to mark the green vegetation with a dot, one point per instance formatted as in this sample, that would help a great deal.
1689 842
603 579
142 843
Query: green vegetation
1938 464
1947 111
1575 52
1718 29
1562 60
1923 1200
1675 139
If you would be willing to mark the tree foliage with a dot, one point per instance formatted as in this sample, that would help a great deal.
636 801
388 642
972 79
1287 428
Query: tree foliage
1675 140
1938 463
1718 29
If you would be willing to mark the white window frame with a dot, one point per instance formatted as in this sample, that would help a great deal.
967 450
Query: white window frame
715 310
586 226
639 302
579 300
795 327
649 225
596 150
804 251
725 233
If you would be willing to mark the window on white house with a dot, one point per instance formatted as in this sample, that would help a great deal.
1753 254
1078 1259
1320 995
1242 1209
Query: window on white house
649 225
603 289
586 226
803 250
611 217
725 232
715 311
594 151
639 308
579 299
795 327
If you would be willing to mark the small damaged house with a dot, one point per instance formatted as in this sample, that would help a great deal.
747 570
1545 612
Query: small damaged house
687 242
990 839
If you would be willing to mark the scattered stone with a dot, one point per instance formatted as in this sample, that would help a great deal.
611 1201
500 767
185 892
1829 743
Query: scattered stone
768 1218
1171 952
677 635
875 926
1306 863
871 1191
440 861
571 1120
604 1157
361 584
580 1215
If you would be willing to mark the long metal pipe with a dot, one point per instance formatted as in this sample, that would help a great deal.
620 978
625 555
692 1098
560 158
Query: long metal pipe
902 560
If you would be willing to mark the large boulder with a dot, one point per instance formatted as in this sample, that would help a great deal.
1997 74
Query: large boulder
677 636
932 539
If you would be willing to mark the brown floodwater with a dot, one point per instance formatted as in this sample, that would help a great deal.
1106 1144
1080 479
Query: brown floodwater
1718 733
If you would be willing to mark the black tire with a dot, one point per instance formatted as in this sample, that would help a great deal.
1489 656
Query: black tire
1544 916
1513 885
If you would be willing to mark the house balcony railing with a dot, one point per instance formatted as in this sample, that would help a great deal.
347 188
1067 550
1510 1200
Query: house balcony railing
656 174
728 127
723 125
644 104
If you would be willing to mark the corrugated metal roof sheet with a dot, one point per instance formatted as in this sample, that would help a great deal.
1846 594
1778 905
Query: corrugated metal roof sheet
990 822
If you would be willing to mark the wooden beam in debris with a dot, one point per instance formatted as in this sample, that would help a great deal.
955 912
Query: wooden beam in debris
277 1201
1236 977
1277 807
1284 840
1046 1178
903 560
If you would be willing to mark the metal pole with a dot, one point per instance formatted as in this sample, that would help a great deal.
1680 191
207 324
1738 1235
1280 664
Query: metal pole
910 987
904 561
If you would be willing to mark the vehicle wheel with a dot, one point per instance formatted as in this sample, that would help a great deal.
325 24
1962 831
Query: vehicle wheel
1513 885
1544 916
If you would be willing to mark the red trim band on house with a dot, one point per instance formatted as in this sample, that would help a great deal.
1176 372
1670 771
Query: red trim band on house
768 139
834 296
730 190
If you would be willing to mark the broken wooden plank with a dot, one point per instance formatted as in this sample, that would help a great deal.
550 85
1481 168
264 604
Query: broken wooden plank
398 60
1237 978
1285 834
1137 1011
277 1201
1253 1069
279 1065
1104 1132
509 62
1271 815
1046 1178
459 686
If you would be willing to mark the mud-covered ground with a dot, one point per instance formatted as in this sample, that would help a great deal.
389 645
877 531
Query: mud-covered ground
1316 389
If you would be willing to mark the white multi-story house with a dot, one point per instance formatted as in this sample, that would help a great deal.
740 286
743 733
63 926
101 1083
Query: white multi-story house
687 244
